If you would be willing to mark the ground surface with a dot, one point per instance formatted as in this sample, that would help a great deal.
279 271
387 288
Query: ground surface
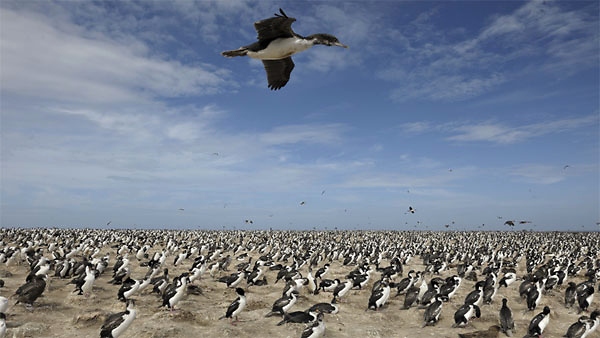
62 313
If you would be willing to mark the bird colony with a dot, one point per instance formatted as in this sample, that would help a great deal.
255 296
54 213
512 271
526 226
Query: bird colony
166 283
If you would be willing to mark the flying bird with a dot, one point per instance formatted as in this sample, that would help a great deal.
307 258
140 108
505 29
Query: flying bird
302 203
249 221
566 166
276 44
511 223
181 209
411 210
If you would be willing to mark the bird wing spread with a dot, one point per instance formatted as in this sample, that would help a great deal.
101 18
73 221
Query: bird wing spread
275 27
278 72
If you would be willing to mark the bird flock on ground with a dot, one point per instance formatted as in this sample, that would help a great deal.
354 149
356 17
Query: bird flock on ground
523 267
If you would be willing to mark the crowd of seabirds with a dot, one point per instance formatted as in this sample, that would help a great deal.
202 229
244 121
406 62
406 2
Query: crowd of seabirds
299 263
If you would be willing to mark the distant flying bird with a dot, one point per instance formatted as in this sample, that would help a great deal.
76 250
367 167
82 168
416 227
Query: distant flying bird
322 192
302 203
107 224
447 225
216 154
181 209
524 222
276 44
411 210
566 166
511 223
249 221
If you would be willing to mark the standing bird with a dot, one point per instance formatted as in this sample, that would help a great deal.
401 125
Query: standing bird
584 298
433 311
379 296
30 291
507 324
538 323
570 294
276 44
174 292
465 313
236 306
117 323
316 330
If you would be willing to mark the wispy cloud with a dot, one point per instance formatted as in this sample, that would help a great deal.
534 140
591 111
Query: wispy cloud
500 133
313 134
538 38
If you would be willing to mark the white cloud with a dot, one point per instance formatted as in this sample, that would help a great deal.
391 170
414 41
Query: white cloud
539 173
497 132
62 61
305 133
500 133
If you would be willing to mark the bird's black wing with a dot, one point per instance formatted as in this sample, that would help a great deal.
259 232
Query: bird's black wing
279 26
112 322
278 72
232 307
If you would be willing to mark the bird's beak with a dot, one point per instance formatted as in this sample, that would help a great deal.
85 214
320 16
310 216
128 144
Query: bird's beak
339 44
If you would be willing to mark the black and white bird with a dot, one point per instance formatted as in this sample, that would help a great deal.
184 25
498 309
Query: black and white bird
579 328
128 288
282 305
299 317
538 323
324 308
570 294
433 311
236 306
476 296
321 272
315 330
379 296
341 290
117 323
508 278
465 313
2 325
507 324
276 44
174 292
585 298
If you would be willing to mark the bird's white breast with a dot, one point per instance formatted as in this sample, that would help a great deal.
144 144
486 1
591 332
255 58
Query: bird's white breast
281 48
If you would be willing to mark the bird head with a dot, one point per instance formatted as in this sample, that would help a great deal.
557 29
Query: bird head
326 39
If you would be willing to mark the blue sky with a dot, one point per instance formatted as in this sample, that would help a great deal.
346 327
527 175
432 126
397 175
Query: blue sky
466 111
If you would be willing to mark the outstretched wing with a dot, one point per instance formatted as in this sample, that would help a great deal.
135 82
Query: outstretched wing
279 26
278 72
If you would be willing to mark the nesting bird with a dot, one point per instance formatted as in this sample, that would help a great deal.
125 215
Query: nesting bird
32 290
315 330
117 323
276 44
